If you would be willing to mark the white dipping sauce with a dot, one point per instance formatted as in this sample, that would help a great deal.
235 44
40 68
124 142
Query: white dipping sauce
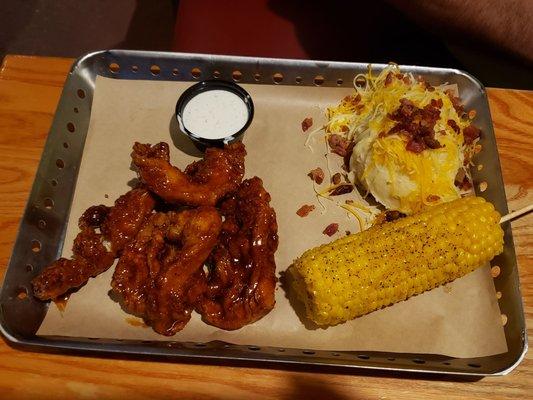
215 114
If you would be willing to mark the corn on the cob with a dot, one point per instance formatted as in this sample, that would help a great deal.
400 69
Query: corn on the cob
388 263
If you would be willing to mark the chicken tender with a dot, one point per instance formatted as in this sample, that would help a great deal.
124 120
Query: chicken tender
203 182
242 280
104 232
160 276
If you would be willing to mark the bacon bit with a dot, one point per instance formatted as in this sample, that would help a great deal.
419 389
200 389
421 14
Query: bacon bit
406 80
393 215
348 233
336 179
345 128
472 114
471 133
353 100
456 102
417 124
465 184
348 156
349 201
388 79
307 123
316 175
339 145
415 147
331 229
432 197
459 177
304 210
406 110
432 143
436 103
425 83
452 124
341 189
380 219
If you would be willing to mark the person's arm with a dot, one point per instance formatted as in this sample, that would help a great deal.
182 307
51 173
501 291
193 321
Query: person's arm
507 24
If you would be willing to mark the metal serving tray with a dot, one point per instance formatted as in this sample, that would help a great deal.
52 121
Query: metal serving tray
42 229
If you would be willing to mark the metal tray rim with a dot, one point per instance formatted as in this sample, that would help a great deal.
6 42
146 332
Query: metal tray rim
90 60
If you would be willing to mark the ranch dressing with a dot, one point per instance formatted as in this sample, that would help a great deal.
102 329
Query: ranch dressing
215 114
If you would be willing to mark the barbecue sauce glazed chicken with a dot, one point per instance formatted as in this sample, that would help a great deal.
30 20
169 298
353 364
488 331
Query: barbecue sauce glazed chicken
160 274
104 231
203 182
166 230
242 281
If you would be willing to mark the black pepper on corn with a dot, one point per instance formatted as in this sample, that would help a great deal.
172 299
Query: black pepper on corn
364 272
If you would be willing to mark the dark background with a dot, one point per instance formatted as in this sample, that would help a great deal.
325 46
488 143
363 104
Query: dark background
373 32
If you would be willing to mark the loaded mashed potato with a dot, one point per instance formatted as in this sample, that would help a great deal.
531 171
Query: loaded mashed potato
410 142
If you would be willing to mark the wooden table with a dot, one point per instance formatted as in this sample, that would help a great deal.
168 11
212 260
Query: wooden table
29 91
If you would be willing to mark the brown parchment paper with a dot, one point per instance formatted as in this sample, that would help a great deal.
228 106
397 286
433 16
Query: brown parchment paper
460 320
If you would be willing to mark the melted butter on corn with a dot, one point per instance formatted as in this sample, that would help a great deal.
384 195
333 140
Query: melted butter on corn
388 263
